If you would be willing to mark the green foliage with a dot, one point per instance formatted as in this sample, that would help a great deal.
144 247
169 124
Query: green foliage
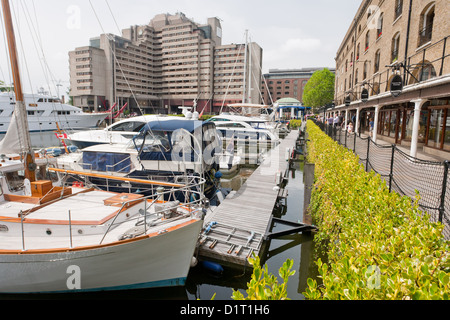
206 117
5 88
295 123
378 244
319 90
265 286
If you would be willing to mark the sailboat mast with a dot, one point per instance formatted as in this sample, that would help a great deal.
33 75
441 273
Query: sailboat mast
20 111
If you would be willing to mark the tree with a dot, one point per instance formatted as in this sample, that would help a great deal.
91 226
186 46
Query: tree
319 90
4 87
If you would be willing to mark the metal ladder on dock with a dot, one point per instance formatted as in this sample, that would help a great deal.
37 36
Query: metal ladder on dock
239 241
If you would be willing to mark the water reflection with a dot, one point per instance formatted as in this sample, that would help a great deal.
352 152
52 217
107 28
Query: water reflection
299 247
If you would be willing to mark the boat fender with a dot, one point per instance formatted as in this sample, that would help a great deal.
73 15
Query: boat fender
212 266
194 262
218 175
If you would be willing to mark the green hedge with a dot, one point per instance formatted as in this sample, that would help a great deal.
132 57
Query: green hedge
295 123
378 244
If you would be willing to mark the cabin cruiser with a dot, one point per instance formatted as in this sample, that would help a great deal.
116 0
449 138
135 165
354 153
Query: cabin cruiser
166 149
120 132
246 128
47 113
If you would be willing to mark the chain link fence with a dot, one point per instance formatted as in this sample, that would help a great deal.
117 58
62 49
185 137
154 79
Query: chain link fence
403 174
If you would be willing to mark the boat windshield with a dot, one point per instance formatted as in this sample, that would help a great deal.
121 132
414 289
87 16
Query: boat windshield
152 141
129 126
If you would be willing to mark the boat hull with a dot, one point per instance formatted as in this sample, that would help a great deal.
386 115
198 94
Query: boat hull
145 262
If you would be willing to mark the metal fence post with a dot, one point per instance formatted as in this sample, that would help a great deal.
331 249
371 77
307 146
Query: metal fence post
345 139
367 156
444 188
391 173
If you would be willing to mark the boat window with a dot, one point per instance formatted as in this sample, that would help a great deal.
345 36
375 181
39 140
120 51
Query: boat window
130 126
232 125
235 125
153 141
138 127
40 100
215 119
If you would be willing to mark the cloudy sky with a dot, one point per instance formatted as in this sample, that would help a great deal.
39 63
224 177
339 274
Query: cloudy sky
292 33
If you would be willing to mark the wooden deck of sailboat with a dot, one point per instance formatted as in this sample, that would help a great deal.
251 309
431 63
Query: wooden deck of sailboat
51 225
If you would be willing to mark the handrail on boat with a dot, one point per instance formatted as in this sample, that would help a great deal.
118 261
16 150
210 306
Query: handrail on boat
97 175
153 197
158 195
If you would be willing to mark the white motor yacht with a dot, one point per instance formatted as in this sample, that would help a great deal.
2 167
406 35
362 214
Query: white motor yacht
47 113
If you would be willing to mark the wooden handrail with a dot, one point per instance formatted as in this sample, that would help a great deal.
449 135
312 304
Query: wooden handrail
97 175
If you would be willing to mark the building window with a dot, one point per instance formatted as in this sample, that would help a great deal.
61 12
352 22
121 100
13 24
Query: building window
367 40
439 128
395 47
398 8
427 72
357 52
426 25
423 71
366 66
376 67
380 26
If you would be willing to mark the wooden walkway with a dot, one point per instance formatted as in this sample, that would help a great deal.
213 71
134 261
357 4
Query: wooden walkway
238 226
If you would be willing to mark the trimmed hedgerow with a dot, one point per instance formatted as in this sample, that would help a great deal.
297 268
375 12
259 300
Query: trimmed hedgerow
378 244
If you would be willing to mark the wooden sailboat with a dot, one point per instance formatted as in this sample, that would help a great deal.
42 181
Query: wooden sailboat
59 239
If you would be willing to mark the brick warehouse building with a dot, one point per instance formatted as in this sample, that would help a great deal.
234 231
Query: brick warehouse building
168 63
286 83
393 66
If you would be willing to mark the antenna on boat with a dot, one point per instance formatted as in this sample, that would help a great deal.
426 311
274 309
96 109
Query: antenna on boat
20 111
